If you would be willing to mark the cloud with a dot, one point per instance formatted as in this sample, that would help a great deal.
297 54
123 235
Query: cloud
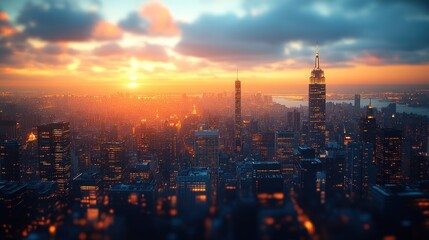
134 23
391 32
154 19
6 28
108 49
56 22
161 22
262 37
10 41
149 52
106 31
56 49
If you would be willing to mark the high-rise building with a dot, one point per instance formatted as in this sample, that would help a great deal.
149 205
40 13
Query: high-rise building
359 170
113 163
10 161
237 118
334 164
368 126
397 204
54 155
141 171
388 155
294 121
206 148
193 191
317 105
13 209
357 102
7 129
30 161
263 144
285 143
311 180
86 190
133 198
268 183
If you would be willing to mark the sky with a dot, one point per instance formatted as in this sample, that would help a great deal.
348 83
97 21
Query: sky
193 46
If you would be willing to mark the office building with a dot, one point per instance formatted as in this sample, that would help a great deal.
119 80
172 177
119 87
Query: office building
133 198
206 148
113 163
10 161
263 144
357 103
359 170
54 155
388 156
193 191
284 144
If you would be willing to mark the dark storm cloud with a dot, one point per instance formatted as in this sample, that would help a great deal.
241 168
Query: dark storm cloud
395 32
134 23
57 21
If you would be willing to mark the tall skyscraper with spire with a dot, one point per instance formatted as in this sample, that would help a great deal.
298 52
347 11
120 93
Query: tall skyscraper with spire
238 122
317 105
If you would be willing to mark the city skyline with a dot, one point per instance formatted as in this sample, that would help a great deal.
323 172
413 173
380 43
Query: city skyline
214 119
99 47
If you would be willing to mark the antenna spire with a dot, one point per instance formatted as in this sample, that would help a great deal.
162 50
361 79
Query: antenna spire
316 60
237 73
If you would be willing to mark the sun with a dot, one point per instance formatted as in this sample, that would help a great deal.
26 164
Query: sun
132 84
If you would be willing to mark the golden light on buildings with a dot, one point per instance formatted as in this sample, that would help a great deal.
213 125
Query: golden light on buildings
269 221
173 212
309 226
31 137
52 229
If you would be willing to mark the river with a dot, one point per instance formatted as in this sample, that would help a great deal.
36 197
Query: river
400 108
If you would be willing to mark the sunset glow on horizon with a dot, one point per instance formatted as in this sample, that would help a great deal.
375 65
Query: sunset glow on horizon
172 47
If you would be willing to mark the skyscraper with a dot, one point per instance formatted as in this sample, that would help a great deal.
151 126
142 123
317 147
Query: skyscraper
294 121
317 105
10 161
112 166
388 155
238 123
359 169
206 148
368 126
7 129
285 143
193 191
263 144
357 103
54 154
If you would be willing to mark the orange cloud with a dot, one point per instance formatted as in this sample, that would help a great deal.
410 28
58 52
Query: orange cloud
4 16
160 19
369 59
107 31
5 28
6 31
